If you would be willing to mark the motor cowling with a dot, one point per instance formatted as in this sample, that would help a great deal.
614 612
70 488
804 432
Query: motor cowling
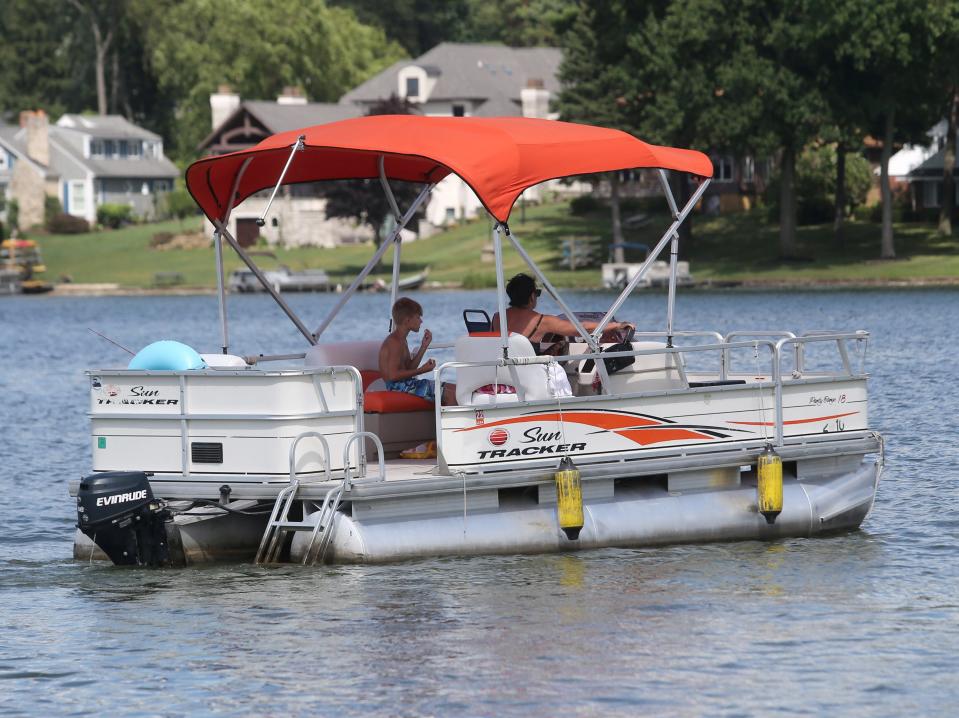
119 513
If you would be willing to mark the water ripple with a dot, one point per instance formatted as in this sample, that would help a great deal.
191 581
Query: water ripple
862 623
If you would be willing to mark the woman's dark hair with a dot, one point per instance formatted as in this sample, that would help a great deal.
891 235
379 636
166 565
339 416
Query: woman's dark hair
519 290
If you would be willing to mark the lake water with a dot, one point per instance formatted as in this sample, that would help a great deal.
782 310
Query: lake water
865 623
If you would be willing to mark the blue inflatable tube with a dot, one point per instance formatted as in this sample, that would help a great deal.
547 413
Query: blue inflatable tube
167 354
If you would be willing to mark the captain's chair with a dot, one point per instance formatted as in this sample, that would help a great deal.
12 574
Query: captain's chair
530 382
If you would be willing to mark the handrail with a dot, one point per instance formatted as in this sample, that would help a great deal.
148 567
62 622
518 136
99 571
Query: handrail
347 477
326 451
726 361
840 339
776 349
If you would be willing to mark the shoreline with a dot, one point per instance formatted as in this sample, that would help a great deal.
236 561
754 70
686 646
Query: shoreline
116 290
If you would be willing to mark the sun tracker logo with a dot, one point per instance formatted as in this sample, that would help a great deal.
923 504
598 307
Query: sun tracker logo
498 437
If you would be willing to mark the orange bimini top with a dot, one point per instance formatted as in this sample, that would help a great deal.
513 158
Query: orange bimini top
498 157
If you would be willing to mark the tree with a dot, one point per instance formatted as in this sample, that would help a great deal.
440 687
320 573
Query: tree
102 17
258 47
34 68
365 200
595 82
889 45
420 25
946 74
695 82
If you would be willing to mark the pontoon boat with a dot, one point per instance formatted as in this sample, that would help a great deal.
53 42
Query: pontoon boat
295 457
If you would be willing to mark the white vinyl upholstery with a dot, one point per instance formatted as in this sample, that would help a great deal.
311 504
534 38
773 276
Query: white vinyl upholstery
362 355
530 381
651 372
224 361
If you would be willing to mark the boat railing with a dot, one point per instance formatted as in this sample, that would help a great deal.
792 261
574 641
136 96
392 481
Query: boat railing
776 343
739 335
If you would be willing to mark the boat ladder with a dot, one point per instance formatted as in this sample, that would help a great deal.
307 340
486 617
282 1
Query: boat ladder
280 525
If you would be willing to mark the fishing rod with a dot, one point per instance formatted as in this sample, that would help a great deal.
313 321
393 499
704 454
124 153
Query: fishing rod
116 344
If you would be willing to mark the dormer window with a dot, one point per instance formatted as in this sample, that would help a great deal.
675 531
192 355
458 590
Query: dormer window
412 87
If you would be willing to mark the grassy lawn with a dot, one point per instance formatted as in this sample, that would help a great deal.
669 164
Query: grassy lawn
733 248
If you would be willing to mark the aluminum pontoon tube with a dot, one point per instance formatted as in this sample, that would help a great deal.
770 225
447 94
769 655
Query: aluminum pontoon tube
650 259
266 284
374 260
673 259
644 515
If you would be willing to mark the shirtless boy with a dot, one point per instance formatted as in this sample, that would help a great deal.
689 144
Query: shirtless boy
398 368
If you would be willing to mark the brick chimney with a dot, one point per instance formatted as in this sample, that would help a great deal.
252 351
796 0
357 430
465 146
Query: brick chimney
223 103
535 99
37 126
291 95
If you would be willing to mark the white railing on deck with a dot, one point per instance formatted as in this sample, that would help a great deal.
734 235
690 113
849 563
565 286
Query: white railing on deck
773 341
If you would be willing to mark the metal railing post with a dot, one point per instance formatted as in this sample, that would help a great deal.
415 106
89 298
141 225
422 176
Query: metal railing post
221 291
266 284
420 198
667 237
500 290
673 259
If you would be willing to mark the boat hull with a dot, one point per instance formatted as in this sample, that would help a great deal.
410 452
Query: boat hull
642 515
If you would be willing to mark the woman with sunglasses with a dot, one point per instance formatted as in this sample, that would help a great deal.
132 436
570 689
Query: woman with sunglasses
522 317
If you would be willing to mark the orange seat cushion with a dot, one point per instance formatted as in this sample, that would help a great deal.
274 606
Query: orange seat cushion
393 402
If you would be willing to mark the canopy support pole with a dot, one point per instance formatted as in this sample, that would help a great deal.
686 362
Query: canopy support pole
295 147
397 244
221 291
673 259
667 237
218 246
420 198
591 341
501 289
221 228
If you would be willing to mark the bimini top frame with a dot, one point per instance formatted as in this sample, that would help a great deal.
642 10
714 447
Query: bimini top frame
498 157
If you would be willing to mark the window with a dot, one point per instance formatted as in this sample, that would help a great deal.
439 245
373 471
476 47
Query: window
450 214
78 197
136 148
123 148
412 87
3 160
749 169
459 110
109 148
724 169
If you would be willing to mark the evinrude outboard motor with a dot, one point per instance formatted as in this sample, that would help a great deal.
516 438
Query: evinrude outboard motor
116 509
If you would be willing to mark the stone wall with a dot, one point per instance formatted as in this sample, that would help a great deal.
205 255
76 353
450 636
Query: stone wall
27 187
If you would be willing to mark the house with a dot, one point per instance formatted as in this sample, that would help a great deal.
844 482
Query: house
84 161
298 215
468 80
25 174
925 176
452 79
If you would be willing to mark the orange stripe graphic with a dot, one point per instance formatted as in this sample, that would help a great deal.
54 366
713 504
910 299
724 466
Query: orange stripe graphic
793 421
599 420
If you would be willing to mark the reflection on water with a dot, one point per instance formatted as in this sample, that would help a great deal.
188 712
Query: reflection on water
861 623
